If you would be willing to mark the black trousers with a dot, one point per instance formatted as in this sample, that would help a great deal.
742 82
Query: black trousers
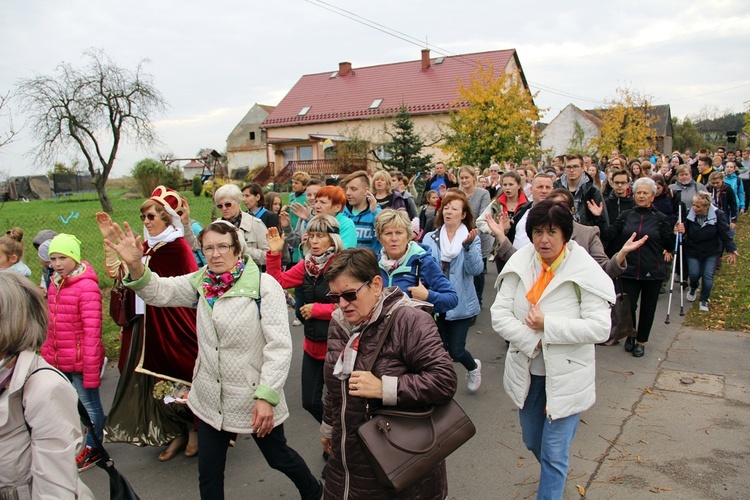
212 460
648 291
479 283
312 385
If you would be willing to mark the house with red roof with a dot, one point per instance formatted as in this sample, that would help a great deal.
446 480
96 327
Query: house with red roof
325 110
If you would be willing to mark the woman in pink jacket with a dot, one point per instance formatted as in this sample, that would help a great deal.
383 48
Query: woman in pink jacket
74 336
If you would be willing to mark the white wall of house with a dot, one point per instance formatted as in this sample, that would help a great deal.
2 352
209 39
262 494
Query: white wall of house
245 147
557 135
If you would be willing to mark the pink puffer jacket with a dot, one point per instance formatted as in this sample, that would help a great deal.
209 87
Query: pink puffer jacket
74 337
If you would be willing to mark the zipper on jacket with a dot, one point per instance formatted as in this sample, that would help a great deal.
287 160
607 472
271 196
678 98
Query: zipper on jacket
638 267
343 438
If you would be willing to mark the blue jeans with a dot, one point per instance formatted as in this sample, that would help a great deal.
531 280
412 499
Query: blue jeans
93 405
453 333
705 269
548 440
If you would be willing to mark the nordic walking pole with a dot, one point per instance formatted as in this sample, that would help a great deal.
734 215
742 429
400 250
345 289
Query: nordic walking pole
671 280
682 283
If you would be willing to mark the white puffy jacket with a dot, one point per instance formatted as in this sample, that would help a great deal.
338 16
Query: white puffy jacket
576 308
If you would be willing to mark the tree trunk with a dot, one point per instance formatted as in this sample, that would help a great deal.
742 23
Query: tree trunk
102 192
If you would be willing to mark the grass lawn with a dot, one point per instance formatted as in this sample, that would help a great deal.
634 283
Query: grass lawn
730 295
76 216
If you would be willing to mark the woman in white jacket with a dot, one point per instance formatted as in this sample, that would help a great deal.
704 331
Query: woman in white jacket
242 365
552 306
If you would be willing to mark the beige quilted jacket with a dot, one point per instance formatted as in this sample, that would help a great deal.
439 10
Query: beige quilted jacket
240 358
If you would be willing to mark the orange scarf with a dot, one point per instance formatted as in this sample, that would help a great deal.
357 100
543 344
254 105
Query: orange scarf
544 279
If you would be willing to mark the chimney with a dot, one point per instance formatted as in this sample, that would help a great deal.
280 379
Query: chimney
345 68
425 59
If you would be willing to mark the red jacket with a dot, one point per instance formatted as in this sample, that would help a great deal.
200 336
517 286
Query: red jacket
74 336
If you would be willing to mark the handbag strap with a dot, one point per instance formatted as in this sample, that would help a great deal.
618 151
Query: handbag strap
386 333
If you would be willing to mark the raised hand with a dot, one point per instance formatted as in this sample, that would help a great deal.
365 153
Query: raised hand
497 228
128 246
103 220
284 220
594 208
275 241
472 234
185 215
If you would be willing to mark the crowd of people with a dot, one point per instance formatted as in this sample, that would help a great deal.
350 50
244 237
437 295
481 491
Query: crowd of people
209 327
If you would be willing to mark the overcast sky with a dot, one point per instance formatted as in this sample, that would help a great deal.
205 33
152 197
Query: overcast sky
213 60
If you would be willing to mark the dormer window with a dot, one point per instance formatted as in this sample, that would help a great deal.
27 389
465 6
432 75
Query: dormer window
333 75
303 111
376 103
439 60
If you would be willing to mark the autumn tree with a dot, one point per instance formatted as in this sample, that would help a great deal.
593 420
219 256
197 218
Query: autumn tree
494 119
626 121
578 143
405 146
91 109
6 136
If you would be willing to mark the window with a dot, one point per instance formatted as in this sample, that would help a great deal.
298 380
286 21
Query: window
383 153
305 153
303 111
439 60
376 103
289 155
333 75
252 136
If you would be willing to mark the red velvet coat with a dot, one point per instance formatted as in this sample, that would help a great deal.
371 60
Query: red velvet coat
74 336
170 342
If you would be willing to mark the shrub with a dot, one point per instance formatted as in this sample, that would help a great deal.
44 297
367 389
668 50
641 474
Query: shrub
148 173
197 185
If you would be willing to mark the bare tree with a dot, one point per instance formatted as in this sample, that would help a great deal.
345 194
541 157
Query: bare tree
6 136
91 109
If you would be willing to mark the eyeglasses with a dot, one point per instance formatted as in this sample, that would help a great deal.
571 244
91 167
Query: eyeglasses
349 296
224 205
619 183
150 217
572 167
222 249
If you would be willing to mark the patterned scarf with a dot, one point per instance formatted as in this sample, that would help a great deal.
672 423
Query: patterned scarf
345 364
548 272
217 285
314 265
391 265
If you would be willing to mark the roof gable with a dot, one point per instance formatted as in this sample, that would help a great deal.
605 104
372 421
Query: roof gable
333 97
661 113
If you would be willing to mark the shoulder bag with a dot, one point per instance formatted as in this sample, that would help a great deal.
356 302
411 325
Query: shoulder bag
121 301
622 320
403 445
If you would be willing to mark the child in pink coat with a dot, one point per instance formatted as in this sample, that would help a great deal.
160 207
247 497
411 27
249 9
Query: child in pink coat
74 338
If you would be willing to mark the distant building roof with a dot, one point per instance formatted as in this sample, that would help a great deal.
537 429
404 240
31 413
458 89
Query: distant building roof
425 86
193 164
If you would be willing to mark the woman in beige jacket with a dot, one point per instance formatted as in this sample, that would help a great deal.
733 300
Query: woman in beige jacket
40 430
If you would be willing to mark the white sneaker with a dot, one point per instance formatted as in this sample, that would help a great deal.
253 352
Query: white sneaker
104 367
704 305
691 294
296 322
475 377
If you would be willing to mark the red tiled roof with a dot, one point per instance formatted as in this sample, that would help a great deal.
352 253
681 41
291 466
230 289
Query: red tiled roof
349 97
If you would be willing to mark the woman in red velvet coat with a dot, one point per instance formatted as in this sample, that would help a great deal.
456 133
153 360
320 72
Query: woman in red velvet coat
160 344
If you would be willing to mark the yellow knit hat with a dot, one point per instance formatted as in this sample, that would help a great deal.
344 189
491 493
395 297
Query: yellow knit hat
66 244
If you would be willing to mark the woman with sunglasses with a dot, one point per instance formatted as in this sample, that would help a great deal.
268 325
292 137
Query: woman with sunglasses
243 362
160 343
322 245
412 370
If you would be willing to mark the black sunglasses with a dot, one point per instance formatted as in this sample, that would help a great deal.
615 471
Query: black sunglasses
224 205
150 217
349 296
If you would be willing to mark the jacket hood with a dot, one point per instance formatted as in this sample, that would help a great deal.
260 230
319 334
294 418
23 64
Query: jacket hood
591 278
585 180
711 216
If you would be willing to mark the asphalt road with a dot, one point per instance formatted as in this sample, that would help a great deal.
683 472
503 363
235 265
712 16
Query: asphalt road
648 432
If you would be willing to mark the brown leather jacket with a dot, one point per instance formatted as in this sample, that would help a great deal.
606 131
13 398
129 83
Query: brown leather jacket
415 354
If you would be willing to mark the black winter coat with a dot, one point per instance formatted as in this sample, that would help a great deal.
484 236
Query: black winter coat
647 262
711 238
414 354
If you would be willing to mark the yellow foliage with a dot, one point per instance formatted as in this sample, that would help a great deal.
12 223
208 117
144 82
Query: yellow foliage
625 124
494 119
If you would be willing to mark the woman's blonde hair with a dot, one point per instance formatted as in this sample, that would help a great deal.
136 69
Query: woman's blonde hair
702 197
391 217
381 174
23 314
327 225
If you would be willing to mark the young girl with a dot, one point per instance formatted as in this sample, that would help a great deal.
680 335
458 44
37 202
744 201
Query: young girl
11 252
428 212
74 336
